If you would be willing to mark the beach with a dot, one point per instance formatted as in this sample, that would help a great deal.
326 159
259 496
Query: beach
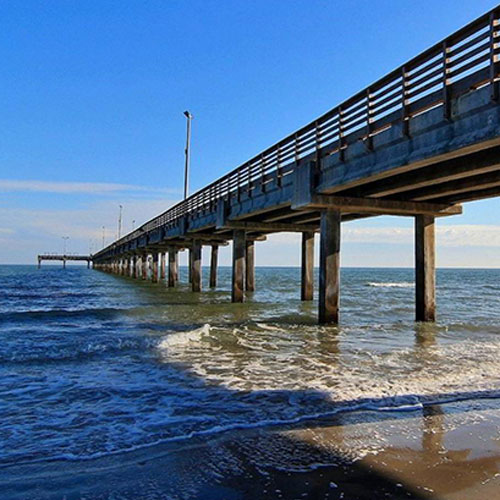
115 388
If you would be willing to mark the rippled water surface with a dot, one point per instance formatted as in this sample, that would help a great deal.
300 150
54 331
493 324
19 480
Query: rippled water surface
93 364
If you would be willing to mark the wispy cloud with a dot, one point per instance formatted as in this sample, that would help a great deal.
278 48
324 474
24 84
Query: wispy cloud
96 188
457 235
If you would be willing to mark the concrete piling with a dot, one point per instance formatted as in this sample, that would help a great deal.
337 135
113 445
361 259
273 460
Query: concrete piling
307 267
213 265
329 271
425 268
237 294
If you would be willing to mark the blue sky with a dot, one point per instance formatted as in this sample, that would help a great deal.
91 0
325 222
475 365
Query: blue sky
93 93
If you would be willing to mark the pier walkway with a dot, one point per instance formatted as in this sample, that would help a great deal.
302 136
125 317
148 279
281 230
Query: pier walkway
417 143
64 258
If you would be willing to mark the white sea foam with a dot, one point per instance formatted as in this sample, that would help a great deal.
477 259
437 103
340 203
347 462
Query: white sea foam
184 338
403 284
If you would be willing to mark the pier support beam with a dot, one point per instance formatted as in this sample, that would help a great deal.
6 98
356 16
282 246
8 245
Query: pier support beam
307 267
144 262
329 270
172 267
238 265
190 265
196 266
162 265
137 266
213 265
425 268
154 267
176 267
250 266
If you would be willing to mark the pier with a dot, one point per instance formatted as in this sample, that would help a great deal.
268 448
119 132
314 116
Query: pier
419 142
64 258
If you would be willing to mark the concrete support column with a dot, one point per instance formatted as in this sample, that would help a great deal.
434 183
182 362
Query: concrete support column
172 267
144 265
162 265
196 270
190 265
64 263
138 266
307 267
88 264
154 268
213 265
425 268
250 266
329 270
176 266
131 268
39 263
238 266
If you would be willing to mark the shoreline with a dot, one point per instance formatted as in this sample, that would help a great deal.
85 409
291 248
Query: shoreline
446 451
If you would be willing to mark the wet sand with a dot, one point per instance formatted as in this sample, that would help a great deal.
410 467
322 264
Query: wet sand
450 451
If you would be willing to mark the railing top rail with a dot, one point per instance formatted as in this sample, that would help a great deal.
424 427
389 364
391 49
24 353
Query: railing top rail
301 141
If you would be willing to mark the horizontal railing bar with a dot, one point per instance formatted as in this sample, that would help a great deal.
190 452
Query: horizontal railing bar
469 44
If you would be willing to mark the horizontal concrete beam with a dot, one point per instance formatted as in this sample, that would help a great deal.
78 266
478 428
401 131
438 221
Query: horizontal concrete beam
269 226
376 206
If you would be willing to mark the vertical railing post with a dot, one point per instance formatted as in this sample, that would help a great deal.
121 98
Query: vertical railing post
278 166
341 135
262 173
369 138
296 148
493 57
405 119
446 81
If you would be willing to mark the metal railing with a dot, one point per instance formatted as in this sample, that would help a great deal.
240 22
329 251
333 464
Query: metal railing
420 84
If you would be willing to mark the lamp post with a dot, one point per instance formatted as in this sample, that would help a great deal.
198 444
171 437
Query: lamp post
103 235
187 151
120 222
65 238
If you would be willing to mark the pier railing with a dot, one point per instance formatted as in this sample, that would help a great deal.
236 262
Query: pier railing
469 56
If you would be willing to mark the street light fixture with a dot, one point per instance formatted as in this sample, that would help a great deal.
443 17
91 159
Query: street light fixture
120 222
65 238
187 151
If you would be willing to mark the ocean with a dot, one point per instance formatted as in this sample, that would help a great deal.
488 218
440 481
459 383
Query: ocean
96 366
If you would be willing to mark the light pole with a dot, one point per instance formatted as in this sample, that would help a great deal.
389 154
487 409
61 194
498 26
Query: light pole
65 238
103 235
187 151
120 222
133 224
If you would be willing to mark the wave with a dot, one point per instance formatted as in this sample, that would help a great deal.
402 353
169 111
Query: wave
397 404
402 284
186 337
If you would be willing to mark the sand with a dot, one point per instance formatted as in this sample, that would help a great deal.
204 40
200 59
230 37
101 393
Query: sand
451 451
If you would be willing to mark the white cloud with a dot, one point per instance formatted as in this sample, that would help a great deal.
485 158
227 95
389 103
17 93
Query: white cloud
96 188
26 232
450 235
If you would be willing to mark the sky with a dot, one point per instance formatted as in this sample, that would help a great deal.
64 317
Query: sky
93 95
